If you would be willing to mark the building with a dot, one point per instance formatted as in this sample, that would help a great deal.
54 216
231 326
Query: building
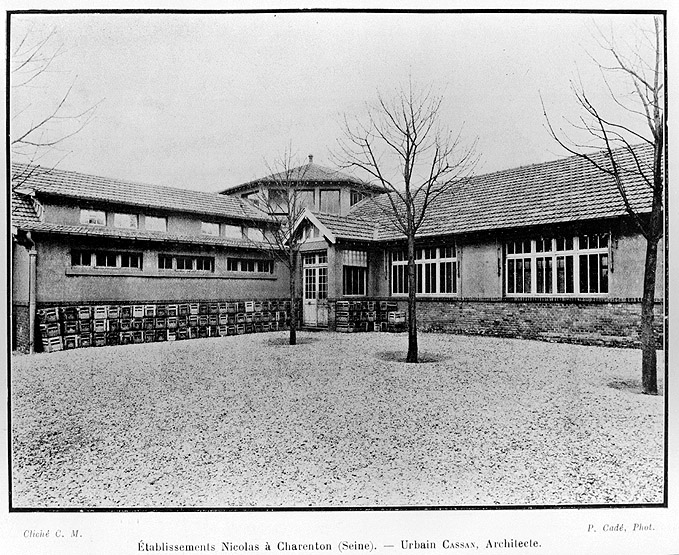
317 188
545 251
83 243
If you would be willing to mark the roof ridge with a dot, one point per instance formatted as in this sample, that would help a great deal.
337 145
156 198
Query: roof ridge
118 180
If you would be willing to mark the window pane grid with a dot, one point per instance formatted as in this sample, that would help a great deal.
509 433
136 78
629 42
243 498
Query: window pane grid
435 271
561 265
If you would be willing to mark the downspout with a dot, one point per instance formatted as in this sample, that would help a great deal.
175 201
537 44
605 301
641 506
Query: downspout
32 289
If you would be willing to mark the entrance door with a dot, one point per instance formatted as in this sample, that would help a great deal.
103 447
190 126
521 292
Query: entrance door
315 283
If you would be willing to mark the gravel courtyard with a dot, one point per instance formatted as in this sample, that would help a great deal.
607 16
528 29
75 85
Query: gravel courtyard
338 420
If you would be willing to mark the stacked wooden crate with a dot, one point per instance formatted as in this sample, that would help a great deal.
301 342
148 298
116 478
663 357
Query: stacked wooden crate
358 316
70 327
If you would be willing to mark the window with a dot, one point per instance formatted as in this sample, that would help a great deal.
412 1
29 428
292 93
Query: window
311 232
205 263
125 221
278 201
254 234
356 197
354 280
323 283
106 259
435 271
209 228
92 217
330 201
233 231
186 263
250 265
519 267
153 223
164 262
81 258
265 266
593 263
310 283
558 265
306 199
130 260
316 276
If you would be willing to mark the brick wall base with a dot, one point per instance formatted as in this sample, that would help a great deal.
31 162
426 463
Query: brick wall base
590 322
20 328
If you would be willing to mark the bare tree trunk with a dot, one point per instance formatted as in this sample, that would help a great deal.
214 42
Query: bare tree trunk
293 297
648 347
412 304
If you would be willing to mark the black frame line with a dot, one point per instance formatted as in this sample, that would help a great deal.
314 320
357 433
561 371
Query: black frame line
275 11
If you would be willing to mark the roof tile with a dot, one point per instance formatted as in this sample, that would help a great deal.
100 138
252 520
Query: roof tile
64 183
566 190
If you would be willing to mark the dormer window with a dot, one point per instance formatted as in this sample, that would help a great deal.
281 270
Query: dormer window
125 221
153 223
233 231
254 234
209 228
92 217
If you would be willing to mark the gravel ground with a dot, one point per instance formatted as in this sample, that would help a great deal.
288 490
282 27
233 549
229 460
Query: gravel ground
338 420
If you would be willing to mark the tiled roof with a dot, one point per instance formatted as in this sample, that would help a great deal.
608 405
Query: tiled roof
307 173
22 210
561 191
348 228
89 187
138 235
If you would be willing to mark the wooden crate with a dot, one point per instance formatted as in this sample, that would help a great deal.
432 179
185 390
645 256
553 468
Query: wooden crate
114 311
52 344
126 311
100 312
84 313
69 313
71 341
48 315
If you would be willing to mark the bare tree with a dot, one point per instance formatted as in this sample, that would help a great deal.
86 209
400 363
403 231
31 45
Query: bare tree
40 124
640 96
280 195
403 146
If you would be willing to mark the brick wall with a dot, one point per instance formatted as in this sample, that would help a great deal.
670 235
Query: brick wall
20 327
592 322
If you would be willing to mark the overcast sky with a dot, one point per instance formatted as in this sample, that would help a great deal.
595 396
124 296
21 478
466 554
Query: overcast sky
205 101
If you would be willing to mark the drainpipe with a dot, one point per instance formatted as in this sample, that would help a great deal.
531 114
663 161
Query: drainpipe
32 288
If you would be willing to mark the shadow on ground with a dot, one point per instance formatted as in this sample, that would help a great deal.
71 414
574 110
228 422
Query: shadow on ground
632 386
283 341
400 356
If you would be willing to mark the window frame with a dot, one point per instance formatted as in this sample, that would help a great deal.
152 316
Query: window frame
133 220
566 253
148 219
432 265
189 263
254 266
322 198
90 212
206 227
92 258
361 280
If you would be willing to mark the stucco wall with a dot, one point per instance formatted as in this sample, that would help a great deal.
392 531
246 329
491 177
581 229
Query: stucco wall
19 273
629 256
68 213
57 282
479 270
